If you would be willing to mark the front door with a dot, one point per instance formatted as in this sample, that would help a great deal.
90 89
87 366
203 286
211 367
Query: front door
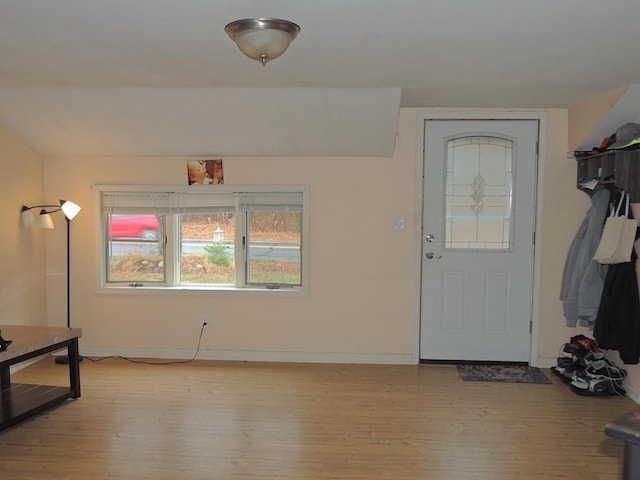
478 226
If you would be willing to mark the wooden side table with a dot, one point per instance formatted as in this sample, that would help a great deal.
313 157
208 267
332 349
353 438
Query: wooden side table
20 401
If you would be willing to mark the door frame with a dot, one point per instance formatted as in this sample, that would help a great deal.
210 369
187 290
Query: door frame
424 115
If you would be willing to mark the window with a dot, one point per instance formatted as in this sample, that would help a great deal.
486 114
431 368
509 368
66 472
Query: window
220 237
479 194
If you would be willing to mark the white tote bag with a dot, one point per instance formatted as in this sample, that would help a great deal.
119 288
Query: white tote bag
618 236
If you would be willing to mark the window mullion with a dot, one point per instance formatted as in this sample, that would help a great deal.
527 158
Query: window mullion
240 246
172 250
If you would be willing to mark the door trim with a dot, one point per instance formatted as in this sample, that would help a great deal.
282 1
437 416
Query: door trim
461 114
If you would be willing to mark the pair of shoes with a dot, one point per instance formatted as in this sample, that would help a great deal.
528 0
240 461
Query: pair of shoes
568 350
563 364
580 377
579 346
605 369
589 358
565 367
599 377
598 387
585 342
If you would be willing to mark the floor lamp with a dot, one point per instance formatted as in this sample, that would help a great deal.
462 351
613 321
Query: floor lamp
44 221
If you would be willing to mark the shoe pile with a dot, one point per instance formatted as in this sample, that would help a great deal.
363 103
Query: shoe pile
586 369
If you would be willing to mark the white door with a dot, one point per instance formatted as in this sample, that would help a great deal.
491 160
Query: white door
478 225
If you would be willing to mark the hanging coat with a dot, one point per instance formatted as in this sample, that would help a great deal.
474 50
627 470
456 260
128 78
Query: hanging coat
618 323
583 277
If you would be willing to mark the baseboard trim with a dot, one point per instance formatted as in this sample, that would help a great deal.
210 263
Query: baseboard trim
632 393
253 355
547 362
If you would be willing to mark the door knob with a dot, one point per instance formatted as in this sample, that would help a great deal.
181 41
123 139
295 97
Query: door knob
431 255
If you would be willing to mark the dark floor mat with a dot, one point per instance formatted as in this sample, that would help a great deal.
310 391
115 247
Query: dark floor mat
502 373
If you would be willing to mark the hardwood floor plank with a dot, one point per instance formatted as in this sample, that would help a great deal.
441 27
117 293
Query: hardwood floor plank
271 421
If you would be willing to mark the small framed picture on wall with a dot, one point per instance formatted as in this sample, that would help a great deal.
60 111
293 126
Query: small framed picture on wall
205 172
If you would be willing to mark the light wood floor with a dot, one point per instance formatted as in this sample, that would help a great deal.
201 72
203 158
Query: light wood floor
268 421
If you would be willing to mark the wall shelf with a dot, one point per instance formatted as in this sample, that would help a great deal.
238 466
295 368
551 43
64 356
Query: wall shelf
619 169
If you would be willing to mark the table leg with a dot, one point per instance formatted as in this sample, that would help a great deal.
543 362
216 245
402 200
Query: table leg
5 380
74 367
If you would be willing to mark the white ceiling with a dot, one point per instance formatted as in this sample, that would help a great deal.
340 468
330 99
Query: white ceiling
128 55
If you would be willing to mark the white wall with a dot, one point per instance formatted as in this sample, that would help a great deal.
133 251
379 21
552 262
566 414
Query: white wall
22 253
360 302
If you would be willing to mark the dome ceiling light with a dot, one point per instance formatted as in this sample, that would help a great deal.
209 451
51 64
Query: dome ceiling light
262 39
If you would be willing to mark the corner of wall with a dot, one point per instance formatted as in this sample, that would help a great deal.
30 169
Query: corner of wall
599 117
22 257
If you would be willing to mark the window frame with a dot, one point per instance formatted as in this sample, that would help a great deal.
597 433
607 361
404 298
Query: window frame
172 253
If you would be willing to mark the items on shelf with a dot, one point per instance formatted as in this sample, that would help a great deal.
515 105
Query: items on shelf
627 137
616 170
615 163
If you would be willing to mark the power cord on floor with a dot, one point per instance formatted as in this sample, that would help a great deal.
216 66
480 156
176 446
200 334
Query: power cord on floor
147 362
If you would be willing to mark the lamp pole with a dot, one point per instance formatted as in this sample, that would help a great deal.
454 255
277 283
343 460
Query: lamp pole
68 273
64 359
70 211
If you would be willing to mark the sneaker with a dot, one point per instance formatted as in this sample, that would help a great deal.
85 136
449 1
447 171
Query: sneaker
578 346
584 344
605 369
565 363
602 387
591 357
580 385
580 379
606 386
569 350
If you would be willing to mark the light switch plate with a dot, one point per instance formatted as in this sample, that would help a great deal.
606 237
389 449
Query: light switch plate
398 223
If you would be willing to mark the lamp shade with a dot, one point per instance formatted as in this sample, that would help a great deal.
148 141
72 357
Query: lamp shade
45 221
69 209
262 39
28 217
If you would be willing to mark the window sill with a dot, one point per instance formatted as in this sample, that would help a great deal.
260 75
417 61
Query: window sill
199 290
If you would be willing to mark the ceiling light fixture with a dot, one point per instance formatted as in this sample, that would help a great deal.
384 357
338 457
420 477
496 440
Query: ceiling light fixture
262 39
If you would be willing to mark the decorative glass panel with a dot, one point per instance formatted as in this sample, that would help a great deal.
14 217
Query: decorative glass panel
479 194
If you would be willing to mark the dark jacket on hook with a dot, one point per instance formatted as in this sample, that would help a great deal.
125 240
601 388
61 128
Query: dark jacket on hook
618 324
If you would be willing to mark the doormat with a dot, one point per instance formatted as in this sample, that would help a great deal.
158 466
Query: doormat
470 372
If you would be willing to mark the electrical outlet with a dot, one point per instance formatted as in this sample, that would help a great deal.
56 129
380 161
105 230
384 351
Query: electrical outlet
204 318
